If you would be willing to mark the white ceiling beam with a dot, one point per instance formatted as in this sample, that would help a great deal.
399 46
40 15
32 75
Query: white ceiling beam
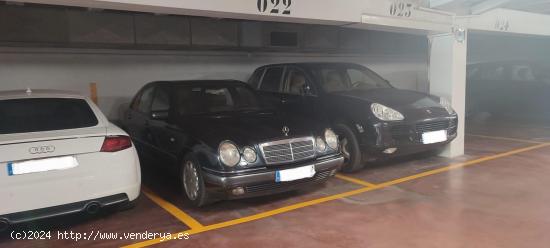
410 19
486 6
303 11
522 4
507 21
439 3
387 14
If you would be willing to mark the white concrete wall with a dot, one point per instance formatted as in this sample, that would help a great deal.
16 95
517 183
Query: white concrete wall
119 74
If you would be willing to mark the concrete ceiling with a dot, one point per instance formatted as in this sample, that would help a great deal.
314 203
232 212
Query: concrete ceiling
467 7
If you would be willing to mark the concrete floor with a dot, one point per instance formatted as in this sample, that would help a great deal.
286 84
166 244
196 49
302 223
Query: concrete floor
494 196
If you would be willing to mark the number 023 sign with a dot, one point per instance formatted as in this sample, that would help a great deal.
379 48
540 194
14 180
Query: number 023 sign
401 8
275 6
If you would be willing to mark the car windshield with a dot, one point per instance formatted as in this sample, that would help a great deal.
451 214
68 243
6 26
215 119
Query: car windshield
346 78
215 99
44 114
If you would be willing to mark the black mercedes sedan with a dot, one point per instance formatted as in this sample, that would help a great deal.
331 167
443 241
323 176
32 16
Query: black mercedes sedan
223 142
372 118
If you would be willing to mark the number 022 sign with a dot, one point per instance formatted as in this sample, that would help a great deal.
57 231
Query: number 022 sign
275 6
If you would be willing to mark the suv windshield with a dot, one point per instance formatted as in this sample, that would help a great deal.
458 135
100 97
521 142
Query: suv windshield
214 99
346 78
44 114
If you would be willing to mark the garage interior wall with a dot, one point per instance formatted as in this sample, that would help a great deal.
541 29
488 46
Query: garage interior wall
484 47
65 51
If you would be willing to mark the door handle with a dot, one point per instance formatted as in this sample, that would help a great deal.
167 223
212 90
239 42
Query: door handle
283 101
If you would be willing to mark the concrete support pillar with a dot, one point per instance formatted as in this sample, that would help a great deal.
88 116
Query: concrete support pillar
448 79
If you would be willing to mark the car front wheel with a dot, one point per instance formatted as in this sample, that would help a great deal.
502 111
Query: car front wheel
349 146
193 183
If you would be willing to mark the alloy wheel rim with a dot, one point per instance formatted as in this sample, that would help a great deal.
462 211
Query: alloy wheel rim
191 180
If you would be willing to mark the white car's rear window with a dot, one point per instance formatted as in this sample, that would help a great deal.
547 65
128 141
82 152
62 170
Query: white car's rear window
44 114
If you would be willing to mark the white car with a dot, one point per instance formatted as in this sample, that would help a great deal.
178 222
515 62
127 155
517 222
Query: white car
58 155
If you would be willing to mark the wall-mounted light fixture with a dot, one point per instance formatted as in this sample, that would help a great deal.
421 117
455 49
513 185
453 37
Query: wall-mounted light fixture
460 34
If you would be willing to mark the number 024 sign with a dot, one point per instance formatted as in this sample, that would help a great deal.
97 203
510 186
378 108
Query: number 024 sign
275 6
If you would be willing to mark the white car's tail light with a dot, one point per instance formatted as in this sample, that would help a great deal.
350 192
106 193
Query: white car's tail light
116 143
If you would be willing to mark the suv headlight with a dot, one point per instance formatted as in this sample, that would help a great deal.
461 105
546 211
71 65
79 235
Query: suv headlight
385 113
229 153
332 139
447 105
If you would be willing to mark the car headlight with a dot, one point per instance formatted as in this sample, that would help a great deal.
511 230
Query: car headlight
229 153
249 155
447 105
385 113
332 139
320 144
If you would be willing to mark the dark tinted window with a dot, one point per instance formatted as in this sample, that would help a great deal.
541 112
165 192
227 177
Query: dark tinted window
272 79
161 102
255 78
247 98
343 78
196 100
45 114
298 84
218 99
145 100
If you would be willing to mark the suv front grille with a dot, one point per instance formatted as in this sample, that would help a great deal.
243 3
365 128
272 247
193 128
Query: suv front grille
290 150
432 126
412 132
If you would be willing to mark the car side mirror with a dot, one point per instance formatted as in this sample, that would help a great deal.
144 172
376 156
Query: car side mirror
159 115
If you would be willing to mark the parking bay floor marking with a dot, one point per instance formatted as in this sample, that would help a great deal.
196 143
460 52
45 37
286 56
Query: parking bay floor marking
355 180
285 209
173 210
505 138
453 166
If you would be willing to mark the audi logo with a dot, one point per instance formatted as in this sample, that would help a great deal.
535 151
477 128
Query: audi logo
41 149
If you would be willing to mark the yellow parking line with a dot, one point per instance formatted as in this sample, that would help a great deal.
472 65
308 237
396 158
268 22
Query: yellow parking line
463 164
355 180
256 216
505 138
442 169
173 210
337 196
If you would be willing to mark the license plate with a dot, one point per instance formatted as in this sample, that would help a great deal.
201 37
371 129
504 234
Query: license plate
434 137
295 174
41 165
